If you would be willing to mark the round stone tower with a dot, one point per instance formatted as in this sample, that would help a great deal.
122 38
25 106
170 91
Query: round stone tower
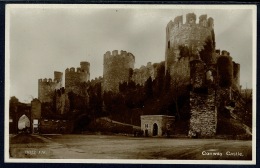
225 69
58 77
84 75
188 39
117 69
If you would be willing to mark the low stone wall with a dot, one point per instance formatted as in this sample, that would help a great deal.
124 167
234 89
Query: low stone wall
48 126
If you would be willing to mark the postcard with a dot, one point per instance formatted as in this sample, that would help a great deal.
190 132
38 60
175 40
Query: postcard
149 84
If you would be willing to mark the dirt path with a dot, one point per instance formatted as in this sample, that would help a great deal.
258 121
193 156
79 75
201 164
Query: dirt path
124 147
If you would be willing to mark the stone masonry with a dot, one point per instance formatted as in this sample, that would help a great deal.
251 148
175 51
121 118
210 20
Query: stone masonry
203 111
46 87
156 125
144 72
73 79
117 69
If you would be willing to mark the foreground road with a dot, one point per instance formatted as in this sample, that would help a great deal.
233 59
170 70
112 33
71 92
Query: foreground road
123 147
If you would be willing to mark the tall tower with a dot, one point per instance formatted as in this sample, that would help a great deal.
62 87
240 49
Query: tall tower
117 69
189 39
46 87
73 78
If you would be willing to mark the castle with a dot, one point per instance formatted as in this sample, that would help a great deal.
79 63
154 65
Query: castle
190 55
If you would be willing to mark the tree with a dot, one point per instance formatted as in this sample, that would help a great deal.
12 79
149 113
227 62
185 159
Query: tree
167 82
159 80
13 102
206 53
179 87
148 87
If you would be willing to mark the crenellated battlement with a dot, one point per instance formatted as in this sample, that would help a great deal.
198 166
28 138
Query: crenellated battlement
57 78
60 91
191 19
75 76
192 34
116 55
100 78
203 20
84 67
96 80
48 81
219 53
117 68
141 74
73 70
46 87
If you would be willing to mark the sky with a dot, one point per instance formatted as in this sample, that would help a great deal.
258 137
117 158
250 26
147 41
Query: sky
44 39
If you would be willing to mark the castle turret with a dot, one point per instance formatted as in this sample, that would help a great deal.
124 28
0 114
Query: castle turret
191 18
73 78
203 20
84 75
117 69
225 69
46 87
189 40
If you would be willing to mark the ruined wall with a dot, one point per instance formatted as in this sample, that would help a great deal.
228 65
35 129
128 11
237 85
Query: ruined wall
46 87
117 68
191 35
35 109
197 73
74 78
203 121
144 72
203 106
55 126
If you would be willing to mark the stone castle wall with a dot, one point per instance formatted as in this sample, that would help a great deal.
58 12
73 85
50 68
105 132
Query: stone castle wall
35 109
46 87
96 80
203 121
117 69
225 69
180 71
74 78
141 75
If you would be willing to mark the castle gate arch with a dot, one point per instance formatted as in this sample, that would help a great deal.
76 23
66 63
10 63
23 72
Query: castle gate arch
15 115
24 124
17 109
155 129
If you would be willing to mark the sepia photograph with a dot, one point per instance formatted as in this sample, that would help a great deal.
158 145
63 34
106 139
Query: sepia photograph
150 84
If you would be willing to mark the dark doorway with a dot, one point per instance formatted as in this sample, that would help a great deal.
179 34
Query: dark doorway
155 129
